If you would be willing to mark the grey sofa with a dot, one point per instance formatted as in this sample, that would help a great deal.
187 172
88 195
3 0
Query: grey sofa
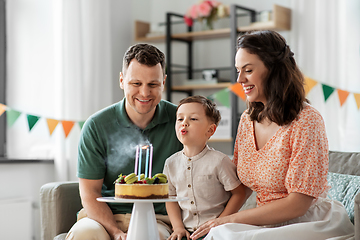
60 201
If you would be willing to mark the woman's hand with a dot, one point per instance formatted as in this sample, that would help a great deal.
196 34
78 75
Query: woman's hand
205 228
179 233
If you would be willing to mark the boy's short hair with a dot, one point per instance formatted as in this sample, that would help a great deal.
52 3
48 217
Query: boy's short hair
211 111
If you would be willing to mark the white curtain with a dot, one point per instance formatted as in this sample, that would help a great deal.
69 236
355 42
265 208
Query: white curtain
83 69
325 37
59 66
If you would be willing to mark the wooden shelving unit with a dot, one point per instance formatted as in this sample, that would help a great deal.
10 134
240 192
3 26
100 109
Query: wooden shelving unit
201 86
281 21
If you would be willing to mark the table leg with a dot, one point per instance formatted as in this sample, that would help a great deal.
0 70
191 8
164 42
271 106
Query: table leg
143 222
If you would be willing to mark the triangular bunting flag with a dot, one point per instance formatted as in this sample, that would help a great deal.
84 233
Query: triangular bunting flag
327 91
2 108
12 116
357 99
309 84
343 95
52 123
81 124
238 90
32 120
67 126
223 97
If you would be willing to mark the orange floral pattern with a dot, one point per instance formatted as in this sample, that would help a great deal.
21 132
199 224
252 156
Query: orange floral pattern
295 159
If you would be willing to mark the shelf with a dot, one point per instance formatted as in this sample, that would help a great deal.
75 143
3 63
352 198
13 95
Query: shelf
281 22
201 86
142 28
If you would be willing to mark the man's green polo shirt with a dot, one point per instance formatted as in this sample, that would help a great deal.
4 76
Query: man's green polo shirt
108 142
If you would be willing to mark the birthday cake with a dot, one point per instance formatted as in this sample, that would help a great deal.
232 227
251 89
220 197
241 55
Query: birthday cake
133 186
142 186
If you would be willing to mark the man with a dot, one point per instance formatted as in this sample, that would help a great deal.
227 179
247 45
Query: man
108 142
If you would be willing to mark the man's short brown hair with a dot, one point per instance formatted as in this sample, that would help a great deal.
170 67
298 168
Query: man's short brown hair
145 54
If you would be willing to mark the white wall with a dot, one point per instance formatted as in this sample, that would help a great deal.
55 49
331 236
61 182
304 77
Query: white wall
123 32
20 188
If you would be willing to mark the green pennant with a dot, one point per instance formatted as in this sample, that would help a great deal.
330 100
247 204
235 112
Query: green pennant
32 120
12 116
327 91
81 124
223 96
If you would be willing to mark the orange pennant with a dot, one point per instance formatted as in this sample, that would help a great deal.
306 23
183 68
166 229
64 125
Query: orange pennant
342 96
67 126
2 108
52 123
309 84
357 99
238 90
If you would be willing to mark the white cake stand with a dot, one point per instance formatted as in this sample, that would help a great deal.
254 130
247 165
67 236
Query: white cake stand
142 222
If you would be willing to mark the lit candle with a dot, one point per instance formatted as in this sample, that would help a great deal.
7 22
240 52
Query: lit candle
139 172
151 157
136 159
147 161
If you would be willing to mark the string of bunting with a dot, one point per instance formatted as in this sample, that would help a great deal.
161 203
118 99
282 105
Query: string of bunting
12 115
222 96
329 90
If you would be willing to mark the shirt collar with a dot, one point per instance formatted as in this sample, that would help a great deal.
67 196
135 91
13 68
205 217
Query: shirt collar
161 115
196 157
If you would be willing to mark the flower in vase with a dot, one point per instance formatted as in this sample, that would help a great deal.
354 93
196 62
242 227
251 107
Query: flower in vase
204 9
207 11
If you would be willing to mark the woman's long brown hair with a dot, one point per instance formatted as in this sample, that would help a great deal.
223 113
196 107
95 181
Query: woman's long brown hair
284 86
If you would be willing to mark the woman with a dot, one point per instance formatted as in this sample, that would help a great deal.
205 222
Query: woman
281 152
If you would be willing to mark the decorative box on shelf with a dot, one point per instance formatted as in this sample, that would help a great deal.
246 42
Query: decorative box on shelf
223 131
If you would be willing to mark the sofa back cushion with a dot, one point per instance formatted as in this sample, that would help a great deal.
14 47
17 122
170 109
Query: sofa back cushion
344 162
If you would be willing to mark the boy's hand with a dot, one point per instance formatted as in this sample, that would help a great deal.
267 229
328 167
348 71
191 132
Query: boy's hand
179 233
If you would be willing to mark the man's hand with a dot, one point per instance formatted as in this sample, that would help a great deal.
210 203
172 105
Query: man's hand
179 233
98 211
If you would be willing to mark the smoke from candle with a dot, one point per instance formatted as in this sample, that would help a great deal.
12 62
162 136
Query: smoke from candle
124 146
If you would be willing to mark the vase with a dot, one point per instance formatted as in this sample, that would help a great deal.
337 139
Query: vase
207 24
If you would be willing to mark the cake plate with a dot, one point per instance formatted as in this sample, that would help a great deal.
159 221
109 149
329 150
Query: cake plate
142 222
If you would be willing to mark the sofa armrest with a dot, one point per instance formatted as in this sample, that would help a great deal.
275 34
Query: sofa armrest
357 216
59 203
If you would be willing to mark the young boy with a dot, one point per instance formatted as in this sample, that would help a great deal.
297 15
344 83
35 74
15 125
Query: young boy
206 176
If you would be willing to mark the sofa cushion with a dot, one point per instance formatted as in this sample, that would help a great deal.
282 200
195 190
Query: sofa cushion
344 188
344 162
